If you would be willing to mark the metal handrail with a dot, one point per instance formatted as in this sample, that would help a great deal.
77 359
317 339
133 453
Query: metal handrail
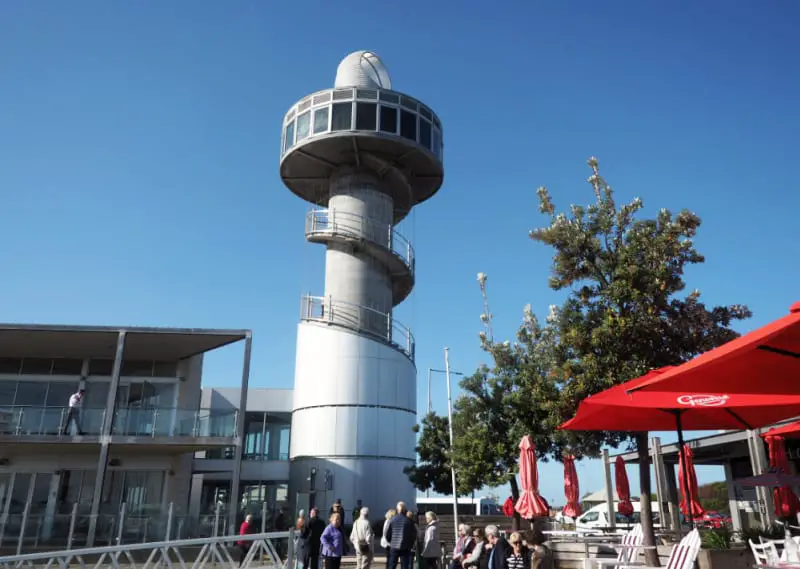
359 318
333 222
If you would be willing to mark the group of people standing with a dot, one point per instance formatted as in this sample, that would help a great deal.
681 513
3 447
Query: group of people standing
488 549
405 542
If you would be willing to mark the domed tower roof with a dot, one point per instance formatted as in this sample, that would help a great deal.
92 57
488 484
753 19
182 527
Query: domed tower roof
362 69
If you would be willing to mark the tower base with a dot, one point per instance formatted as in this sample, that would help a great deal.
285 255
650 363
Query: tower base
353 415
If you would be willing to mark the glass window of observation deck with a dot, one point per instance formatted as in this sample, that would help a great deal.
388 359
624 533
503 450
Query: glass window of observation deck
342 116
288 141
408 125
366 116
303 125
437 143
321 120
425 133
388 119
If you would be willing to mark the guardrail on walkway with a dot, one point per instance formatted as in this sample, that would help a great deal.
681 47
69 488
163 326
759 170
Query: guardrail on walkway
177 554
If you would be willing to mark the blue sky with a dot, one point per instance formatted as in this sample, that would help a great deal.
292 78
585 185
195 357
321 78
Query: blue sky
139 150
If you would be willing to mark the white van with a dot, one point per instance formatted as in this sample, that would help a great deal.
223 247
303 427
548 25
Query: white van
597 517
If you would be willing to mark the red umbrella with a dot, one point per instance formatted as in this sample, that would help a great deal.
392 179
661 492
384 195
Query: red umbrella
623 408
789 430
786 503
571 489
687 478
766 360
530 505
623 488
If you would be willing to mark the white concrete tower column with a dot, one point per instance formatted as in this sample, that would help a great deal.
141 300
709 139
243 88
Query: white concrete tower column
365 155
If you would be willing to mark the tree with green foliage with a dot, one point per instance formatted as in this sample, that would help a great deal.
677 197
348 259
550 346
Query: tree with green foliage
626 312
498 406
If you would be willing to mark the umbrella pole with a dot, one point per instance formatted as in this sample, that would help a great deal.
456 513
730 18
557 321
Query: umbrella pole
682 458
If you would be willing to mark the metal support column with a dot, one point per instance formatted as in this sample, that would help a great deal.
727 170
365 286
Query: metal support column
105 433
733 500
674 499
612 518
233 507
661 482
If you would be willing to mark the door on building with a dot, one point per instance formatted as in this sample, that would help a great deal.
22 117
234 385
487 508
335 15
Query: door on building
136 403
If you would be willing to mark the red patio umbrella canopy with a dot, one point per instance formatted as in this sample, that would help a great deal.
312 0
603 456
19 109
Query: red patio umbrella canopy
766 360
624 507
786 503
572 492
618 409
689 484
530 505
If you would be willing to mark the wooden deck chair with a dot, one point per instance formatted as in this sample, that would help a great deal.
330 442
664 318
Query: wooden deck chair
683 554
628 554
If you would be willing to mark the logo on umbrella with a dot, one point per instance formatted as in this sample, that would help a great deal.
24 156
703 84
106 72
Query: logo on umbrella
703 400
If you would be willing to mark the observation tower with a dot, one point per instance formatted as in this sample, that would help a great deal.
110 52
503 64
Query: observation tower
363 154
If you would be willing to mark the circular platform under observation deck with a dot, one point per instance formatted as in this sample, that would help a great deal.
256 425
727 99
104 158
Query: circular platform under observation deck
388 132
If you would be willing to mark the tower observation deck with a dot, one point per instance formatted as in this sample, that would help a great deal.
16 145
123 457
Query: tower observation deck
364 155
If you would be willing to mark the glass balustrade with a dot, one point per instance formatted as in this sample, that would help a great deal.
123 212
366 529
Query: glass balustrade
129 422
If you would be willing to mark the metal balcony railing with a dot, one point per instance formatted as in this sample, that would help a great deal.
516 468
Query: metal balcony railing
133 422
361 319
333 222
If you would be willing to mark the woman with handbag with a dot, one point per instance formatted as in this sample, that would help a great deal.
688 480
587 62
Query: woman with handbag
363 540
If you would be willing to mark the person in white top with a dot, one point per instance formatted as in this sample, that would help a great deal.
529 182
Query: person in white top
74 412
363 539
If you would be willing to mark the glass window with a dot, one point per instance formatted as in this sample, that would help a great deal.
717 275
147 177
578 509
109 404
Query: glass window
10 365
408 125
288 141
31 393
7 391
96 395
366 116
165 369
303 126
437 143
341 116
388 119
101 367
590 517
137 368
37 366
425 112
64 366
59 393
389 97
321 120
425 133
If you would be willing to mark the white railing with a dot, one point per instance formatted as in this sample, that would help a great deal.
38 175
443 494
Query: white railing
333 222
220 552
361 319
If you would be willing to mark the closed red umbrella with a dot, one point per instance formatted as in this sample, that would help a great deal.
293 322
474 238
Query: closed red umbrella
624 506
530 505
571 489
786 503
687 478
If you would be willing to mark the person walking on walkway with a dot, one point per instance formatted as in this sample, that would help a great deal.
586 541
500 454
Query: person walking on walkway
74 412
244 545
315 529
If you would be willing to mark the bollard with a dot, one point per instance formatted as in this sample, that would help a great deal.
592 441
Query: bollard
73 518
169 523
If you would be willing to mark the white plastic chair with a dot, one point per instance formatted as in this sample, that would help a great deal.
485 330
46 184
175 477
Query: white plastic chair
765 553
683 554
628 552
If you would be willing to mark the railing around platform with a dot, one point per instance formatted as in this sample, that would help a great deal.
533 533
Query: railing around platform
32 420
361 319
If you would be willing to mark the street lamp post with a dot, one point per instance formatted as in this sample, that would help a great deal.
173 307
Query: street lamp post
448 372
